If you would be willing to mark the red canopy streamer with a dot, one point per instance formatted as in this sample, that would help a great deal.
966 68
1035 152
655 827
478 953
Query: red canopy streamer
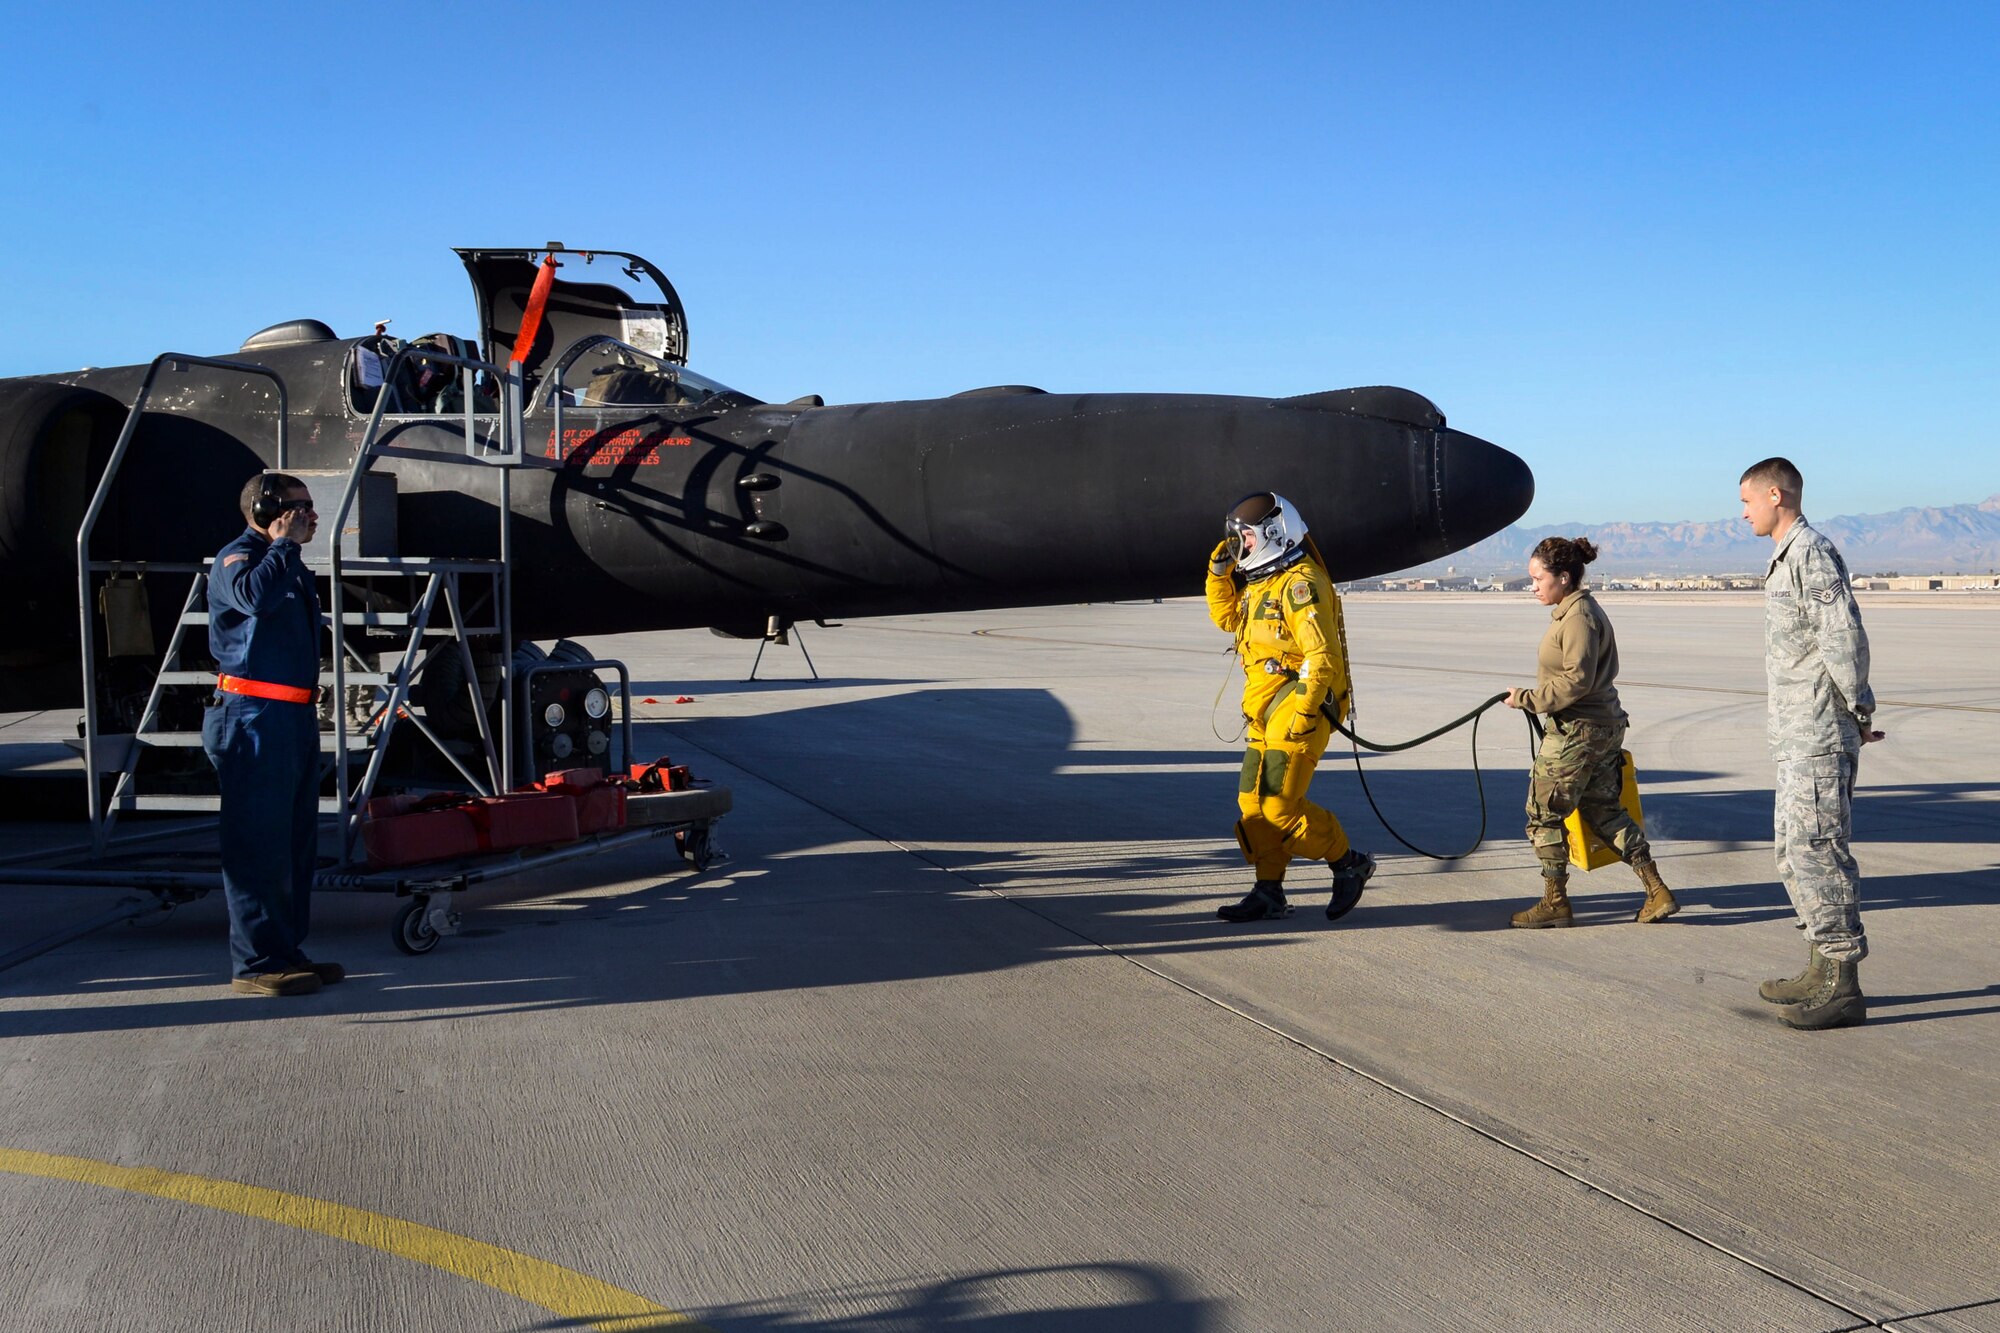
538 300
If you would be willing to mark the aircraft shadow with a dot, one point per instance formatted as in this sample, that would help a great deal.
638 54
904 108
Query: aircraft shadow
1966 812
1001 765
991 789
768 681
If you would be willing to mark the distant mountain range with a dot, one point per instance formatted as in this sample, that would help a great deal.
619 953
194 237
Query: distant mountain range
1958 539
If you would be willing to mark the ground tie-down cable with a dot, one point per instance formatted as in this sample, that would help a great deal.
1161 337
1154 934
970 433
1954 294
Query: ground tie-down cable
1359 743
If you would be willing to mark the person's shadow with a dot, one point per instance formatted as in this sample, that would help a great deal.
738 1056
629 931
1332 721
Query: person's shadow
1878 1002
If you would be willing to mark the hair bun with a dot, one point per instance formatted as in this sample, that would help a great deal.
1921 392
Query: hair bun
1584 550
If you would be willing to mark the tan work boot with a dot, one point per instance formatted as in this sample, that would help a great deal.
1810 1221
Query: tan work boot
1552 910
1794 990
1659 904
1839 1003
276 983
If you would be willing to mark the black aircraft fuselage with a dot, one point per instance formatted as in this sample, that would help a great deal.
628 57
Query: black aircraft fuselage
667 501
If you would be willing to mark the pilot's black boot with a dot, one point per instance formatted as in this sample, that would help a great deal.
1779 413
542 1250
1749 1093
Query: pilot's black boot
1350 876
1265 899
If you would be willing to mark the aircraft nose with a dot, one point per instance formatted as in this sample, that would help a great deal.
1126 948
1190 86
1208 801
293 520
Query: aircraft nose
1479 488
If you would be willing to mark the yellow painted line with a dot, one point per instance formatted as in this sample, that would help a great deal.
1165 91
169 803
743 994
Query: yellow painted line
559 1290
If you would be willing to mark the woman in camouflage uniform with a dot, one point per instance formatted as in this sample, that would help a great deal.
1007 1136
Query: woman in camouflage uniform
1580 764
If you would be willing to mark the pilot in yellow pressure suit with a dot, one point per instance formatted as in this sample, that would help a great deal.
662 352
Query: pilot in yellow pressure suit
1286 619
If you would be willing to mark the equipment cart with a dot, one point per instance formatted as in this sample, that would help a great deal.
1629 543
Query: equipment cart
398 626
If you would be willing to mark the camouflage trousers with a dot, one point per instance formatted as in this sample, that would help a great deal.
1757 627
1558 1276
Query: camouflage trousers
1580 767
1811 825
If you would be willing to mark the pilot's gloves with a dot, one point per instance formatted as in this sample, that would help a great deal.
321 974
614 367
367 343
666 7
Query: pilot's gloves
1219 561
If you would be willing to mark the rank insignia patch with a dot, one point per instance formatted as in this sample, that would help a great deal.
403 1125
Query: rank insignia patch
1822 595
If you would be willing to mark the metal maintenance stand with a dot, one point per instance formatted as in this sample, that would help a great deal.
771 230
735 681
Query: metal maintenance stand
450 603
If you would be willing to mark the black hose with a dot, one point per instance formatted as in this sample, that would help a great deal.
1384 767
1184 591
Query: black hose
1358 743
1453 725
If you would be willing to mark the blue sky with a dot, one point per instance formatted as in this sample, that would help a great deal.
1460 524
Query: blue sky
1641 246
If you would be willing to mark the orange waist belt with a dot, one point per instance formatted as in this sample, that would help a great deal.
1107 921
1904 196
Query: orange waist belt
263 689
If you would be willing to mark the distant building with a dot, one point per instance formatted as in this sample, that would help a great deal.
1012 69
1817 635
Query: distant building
1927 583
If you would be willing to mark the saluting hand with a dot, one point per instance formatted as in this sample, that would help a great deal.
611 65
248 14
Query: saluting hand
297 525
1218 559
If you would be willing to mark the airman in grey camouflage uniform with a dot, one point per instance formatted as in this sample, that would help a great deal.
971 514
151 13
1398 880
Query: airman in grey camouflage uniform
1821 713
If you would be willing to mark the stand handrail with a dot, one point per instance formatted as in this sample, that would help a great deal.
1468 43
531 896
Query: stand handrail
508 456
177 360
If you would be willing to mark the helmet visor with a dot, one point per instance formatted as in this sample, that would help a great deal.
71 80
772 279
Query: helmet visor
1243 538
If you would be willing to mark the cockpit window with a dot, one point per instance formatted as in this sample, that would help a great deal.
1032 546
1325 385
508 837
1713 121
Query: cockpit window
420 383
604 373
598 372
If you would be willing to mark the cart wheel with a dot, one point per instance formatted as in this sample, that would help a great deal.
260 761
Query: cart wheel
412 931
699 847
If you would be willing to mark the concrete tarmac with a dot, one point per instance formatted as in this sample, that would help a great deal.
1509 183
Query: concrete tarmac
953 1040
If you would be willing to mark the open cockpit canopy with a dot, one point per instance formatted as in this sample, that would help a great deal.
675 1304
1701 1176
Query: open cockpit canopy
608 293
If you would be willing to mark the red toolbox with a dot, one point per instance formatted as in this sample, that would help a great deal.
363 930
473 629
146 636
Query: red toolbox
398 833
523 819
601 809
600 805
409 830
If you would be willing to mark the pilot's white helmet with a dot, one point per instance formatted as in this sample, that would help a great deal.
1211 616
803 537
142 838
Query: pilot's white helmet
1265 533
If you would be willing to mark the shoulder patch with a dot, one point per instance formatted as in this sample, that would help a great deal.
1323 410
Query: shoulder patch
1301 592
236 559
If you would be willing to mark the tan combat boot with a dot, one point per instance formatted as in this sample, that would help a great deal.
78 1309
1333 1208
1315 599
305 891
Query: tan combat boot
295 981
1659 904
1793 990
1839 1002
1552 910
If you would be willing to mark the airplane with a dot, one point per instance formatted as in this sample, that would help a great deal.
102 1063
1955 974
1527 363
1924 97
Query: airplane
653 497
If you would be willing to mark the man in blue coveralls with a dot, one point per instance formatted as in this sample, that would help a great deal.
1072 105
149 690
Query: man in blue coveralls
262 734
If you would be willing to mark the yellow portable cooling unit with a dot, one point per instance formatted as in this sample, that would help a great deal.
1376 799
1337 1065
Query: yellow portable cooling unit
1587 851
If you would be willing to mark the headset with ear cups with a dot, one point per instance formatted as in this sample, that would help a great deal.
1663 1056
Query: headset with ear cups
269 504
